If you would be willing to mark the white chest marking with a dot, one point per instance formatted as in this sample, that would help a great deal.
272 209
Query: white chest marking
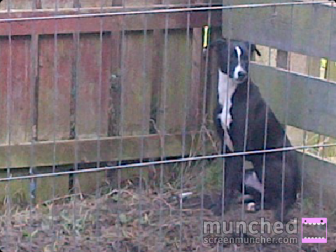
226 89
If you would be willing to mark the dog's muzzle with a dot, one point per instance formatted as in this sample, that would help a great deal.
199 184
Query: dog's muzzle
242 75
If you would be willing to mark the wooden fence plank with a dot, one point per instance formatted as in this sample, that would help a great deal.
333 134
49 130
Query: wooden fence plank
318 173
110 23
50 4
311 103
136 83
175 82
20 94
115 85
4 71
331 71
92 99
109 150
306 33
194 113
89 3
16 5
54 97
158 43
212 78
139 3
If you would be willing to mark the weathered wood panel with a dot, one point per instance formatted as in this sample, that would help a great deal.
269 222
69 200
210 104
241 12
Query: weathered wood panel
318 173
195 102
331 70
158 43
110 23
241 2
89 183
212 76
92 85
89 3
55 100
114 102
50 4
20 99
305 29
310 101
136 82
17 4
140 3
19 190
65 150
4 71
16 90
175 84
54 94
50 187
16 191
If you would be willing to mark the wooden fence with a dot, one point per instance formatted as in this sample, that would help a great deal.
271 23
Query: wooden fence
115 81
104 89
298 100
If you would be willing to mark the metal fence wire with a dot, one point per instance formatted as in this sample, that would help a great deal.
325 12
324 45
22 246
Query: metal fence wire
107 137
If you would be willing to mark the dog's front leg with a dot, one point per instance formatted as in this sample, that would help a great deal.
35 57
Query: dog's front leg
233 170
231 184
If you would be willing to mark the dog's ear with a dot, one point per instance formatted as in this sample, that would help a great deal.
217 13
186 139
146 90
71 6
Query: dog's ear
254 49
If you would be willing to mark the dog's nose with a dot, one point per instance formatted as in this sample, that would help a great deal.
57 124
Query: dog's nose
241 75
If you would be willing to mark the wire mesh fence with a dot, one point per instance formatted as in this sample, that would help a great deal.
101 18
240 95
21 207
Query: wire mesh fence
107 134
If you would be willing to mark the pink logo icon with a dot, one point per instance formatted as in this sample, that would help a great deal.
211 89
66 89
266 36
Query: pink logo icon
314 230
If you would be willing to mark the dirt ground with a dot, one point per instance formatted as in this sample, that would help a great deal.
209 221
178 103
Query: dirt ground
132 220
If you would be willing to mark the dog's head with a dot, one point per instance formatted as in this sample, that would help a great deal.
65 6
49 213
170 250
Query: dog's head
233 57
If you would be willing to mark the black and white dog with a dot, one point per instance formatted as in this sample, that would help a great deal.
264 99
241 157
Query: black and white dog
244 122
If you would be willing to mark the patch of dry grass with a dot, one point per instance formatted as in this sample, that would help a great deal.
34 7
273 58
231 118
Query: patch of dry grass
122 220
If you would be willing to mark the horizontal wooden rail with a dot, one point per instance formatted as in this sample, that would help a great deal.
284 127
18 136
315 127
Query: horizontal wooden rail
41 153
301 101
109 23
20 5
305 29
318 175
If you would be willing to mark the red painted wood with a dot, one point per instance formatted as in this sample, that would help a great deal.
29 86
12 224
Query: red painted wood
195 102
21 117
15 87
92 100
16 5
176 81
115 91
50 4
80 105
136 83
110 23
4 63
